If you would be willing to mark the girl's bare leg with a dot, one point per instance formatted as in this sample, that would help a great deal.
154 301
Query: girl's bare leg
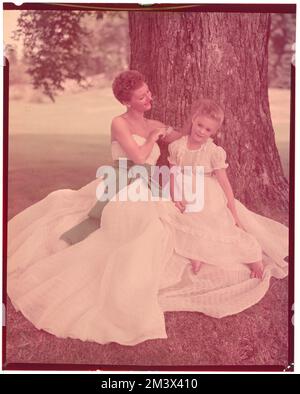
196 266
257 269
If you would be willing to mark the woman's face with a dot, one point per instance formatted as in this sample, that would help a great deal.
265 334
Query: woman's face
141 99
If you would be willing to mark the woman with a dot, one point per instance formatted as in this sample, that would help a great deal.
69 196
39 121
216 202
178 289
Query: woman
115 284
131 90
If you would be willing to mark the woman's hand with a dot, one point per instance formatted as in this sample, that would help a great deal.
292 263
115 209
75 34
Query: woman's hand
157 133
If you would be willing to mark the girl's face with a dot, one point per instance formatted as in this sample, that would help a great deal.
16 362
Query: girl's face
203 128
141 99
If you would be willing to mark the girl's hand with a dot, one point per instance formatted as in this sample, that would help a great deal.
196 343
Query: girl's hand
157 133
231 206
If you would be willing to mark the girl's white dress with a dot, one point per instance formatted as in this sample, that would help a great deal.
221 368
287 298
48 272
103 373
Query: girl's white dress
209 233
115 285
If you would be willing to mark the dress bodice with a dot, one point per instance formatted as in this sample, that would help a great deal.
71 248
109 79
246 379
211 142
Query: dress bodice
209 155
118 152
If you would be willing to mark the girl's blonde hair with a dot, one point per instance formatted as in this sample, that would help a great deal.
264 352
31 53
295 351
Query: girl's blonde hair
205 107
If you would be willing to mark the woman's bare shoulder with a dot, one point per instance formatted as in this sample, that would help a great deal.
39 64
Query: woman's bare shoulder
119 127
119 122
119 119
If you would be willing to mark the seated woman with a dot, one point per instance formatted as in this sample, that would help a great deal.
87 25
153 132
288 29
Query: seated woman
131 90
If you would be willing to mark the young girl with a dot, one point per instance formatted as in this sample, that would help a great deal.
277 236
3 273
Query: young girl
214 235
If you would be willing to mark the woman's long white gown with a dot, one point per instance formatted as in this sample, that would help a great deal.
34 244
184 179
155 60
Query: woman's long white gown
115 285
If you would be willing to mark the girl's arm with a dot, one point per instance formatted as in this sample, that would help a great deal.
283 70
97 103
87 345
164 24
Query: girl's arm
137 153
181 205
223 180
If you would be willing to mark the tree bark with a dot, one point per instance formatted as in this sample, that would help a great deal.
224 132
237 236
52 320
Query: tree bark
222 56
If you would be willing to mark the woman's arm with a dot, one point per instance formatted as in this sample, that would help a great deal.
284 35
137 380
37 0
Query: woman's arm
137 153
172 136
223 180
169 137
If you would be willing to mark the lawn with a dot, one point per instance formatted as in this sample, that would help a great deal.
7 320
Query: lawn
280 110
54 146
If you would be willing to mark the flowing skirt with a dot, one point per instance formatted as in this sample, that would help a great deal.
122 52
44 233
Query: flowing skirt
115 285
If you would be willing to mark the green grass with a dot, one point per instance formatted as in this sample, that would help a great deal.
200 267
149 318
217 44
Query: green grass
87 112
284 152
280 112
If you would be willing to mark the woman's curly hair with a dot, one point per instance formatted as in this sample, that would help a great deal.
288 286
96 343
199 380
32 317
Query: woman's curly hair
125 83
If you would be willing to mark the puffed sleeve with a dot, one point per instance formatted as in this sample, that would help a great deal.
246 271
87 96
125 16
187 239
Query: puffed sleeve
173 152
218 158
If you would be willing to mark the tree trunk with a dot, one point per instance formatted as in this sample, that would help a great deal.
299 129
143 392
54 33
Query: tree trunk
222 56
